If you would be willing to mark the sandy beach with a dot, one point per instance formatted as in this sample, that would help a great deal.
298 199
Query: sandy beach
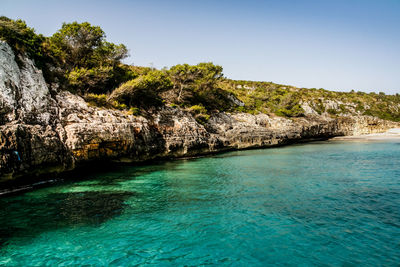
392 134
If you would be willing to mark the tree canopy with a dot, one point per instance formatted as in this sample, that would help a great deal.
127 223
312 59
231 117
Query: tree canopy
22 38
81 45
90 63
197 77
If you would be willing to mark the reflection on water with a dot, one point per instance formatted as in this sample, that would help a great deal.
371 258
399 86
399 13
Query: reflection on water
328 203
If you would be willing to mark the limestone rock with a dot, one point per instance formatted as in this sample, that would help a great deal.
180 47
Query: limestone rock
42 133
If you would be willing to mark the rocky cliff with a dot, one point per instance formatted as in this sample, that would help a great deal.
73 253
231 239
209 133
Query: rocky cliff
45 131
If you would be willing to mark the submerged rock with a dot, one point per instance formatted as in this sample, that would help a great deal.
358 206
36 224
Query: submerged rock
43 132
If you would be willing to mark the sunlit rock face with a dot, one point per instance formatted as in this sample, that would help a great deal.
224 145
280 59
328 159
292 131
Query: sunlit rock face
29 142
24 95
9 80
44 132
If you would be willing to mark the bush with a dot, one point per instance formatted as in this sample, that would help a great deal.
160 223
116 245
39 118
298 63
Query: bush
198 109
97 100
143 91
360 107
200 77
134 111
294 111
77 56
200 113
202 118
117 105
102 101
241 109
332 111
23 39
81 45
95 80
89 62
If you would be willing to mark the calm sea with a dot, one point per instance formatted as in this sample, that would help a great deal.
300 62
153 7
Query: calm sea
331 203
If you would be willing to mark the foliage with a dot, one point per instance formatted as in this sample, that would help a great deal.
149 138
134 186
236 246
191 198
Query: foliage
97 100
200 113
291 111
332 111
117 105
79 58
102 100
76 57
23 39
284 100
200 77
143 91
93 80
134 111
202 118
81 45
90 63
198 109
198 85
265 97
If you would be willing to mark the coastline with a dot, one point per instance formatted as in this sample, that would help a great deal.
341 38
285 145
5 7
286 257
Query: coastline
391 134
53 132
21 186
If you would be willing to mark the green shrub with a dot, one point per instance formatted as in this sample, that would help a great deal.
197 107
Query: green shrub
143 91
343 108
332 111
82 45
89 63
134 111
240 109
202 118
22 39
194 78
198 109
94 80
318 106
360 107
103 101
200 113
117 105
97 100
295 111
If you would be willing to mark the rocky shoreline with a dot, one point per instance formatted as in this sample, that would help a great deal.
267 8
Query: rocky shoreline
44 131
392 134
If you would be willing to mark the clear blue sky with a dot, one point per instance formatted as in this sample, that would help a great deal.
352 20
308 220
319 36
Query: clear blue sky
332 44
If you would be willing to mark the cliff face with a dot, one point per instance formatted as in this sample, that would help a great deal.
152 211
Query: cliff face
44 131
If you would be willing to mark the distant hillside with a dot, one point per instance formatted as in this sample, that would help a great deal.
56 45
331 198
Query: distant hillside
284 100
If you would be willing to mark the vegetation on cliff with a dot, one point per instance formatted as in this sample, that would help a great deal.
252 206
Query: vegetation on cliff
23 39
79 59
284 100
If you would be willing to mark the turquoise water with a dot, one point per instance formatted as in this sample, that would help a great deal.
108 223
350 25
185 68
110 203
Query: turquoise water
326 204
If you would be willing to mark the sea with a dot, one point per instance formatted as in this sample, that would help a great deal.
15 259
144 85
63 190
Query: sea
328 203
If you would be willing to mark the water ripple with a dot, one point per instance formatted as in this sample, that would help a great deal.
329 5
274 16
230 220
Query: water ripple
324 204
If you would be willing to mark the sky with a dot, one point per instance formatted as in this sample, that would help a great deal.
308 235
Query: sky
338 45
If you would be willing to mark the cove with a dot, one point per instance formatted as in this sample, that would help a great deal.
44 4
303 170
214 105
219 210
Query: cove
328 203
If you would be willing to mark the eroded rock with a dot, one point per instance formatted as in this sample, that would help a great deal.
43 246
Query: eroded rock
42 133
